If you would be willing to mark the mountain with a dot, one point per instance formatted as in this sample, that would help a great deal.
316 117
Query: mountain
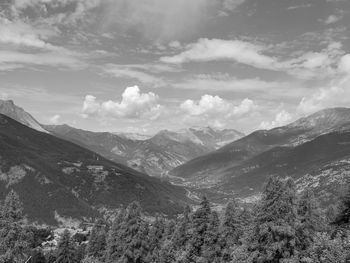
154 156
8 108
58 179
296 133
109 145
322 164
133 136
306 149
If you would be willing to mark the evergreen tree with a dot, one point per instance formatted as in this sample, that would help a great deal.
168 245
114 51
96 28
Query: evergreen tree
14 239
66 252
97 240
344 209
310 218
198 231
211 250
131 243
113 241
155 238
274 234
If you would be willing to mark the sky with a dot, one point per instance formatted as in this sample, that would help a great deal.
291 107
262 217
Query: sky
148 65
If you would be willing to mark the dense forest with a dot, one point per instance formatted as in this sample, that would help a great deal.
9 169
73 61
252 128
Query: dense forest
282 227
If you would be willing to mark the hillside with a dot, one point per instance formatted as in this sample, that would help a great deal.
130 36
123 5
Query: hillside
296 133
56 178
154 156
8 108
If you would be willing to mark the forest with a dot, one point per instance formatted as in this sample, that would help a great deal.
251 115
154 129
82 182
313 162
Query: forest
282 227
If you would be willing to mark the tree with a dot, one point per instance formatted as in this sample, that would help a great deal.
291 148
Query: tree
344 209
97 241
155 238
14 239
274 234
198 231
66 251
129 241
211 250
310 218
112 245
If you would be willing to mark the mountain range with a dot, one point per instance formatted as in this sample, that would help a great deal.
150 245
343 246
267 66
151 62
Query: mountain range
64 172
58 179
314 150
156 155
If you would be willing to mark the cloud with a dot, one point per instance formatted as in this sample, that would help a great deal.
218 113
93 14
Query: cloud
282 118
344 64
21 34
4 96
133 105
332 19
55 119
14 59
24 44
67 12
217 49
210 105
138 72
323 98
225 82
308 65
215 111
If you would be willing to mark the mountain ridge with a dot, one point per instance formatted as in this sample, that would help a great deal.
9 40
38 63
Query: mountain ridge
298 132
54 176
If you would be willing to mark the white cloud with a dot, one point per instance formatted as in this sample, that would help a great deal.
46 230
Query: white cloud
282 118
215 111
24 44
210 105
133 104
55 119
217 49
4 96
332 19
23 34
14 59
308 65
323 98
225 82
133 72
344 64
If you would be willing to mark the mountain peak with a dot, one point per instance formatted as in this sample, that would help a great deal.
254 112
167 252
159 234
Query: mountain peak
10 109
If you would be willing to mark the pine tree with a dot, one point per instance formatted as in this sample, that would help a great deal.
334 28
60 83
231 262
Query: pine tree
97 241
14 239
274 234
310 218
131 243
66 251
343 218
198 231
155 238
211 250
113 237
232 226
